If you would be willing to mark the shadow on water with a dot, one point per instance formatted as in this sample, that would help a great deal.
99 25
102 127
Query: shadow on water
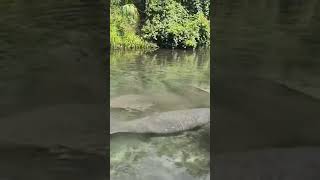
266 89
52 89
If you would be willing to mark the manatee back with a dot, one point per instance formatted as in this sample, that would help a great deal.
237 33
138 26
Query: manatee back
115 125
195 118
171 122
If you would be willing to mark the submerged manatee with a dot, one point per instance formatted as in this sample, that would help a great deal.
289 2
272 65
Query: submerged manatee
132 102
164 123
203 89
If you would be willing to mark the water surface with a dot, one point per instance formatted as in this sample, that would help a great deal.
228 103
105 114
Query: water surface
170 79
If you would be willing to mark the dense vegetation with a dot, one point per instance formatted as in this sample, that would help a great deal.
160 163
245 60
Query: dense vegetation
159 23
123 27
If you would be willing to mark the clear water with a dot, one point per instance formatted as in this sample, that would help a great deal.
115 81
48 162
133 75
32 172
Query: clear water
167 77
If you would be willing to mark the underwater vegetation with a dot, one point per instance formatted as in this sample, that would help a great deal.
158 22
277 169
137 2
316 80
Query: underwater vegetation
135 157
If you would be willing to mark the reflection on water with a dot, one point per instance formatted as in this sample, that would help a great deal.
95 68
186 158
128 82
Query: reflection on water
51 88
169 79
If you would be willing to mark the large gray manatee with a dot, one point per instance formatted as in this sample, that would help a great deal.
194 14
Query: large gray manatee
164 123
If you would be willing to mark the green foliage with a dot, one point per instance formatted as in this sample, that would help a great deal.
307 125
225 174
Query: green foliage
195 6
170 25
131 13
124 20
167 24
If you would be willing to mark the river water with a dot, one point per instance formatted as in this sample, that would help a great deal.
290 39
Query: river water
266 92
52 90
170 79
266 89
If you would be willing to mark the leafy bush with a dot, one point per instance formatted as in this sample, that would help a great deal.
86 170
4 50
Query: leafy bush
170 25
195 6
124 20
167 24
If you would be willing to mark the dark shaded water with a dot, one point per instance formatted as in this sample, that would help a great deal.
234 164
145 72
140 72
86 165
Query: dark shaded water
52 90
266 83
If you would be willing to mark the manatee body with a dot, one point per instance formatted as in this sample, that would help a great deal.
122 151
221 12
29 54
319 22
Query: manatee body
142 103
132 102
164 123
203 89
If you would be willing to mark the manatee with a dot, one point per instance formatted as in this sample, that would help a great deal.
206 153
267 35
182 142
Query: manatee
141 103
132 102
164 123
203 89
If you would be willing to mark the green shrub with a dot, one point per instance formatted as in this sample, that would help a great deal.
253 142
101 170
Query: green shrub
195 6
124 20
166 23
170 25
